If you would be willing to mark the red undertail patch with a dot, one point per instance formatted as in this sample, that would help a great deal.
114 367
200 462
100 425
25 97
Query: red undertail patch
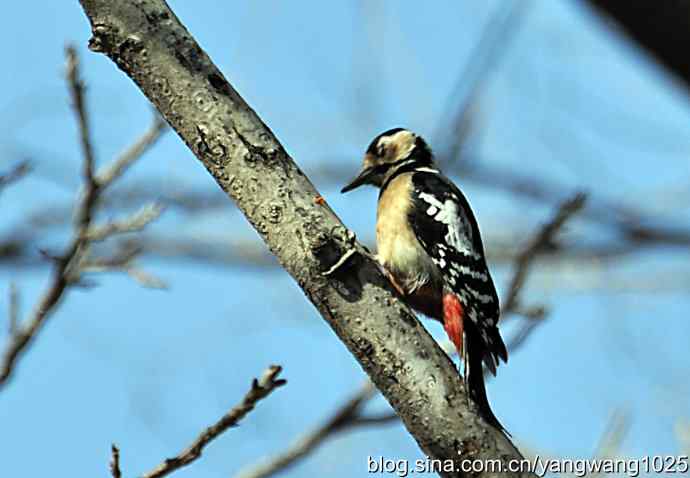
452 320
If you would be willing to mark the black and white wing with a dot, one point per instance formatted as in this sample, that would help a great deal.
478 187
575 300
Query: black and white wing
445 226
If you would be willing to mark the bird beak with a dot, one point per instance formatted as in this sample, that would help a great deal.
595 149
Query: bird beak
363 177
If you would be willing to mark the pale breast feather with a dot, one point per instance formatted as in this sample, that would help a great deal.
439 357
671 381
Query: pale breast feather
398 248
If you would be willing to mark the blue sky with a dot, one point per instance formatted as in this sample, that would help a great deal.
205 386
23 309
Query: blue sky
569 102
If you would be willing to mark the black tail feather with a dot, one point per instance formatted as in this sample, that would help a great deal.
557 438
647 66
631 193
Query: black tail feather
474 376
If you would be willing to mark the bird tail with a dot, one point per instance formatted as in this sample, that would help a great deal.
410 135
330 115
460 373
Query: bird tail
473 354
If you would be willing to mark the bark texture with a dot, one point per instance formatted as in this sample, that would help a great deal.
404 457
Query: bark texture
148 43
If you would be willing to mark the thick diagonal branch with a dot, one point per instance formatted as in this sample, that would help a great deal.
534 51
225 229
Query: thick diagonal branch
146 40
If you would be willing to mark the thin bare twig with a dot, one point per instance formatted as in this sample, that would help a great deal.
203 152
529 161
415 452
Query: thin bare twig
18 171
76 89
61 273
68 266
616 430
487 52
118 167
539 243
145 279
124 261
13 308
260 389
115 462
343 417
135 222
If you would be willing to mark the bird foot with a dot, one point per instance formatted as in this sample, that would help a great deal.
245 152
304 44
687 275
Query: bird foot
390 278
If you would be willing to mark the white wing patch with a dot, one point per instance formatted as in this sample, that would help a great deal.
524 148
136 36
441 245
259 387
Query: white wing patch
459 232
475 274
424 169
483 298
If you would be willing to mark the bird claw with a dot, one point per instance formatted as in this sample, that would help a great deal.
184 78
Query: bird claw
339 262
350 239
390 277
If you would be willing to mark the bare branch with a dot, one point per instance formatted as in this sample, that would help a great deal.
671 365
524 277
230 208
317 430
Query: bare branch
612 438
69 265
540 242
17 172
124 262
63 273
76 89
343 417
260 389
136 222
487 52
117 168
145 279
13 312
115 462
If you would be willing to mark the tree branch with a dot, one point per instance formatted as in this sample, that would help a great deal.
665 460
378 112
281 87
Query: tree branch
146 40
494 42
115 471
540 242
76 89
343 417
260 389
17 172
61 278
133 223
118 167
69 265
13 310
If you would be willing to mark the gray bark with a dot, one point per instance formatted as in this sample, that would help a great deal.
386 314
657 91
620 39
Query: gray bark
149 44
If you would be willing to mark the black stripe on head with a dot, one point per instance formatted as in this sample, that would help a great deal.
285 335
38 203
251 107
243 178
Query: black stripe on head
421 151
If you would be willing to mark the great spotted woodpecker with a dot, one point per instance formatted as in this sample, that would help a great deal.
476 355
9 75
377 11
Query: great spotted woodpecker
429 246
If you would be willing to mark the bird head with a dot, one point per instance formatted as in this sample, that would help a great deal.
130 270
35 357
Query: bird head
387 152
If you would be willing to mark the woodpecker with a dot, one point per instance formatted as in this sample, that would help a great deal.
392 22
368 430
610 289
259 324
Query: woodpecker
430 248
